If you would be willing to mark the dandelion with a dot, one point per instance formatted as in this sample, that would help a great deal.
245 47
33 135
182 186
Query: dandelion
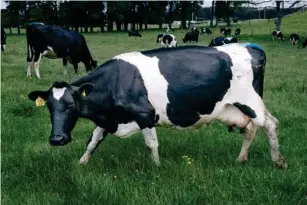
189 163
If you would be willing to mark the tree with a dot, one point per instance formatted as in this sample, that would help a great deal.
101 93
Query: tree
281 12
212 13
17 9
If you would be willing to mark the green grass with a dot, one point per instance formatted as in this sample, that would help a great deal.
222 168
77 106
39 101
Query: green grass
121 172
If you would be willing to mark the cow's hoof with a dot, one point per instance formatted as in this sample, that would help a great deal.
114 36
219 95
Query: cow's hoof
29 77
281 163
242 159
84 159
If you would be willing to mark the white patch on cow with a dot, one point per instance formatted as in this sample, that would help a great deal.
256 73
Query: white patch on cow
229 38
50 53
126 130
154 81
241 89
4 47
58 92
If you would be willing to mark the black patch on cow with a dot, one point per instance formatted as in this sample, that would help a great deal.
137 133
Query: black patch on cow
198 77
167 38
119 96
248 111
258 65
60 84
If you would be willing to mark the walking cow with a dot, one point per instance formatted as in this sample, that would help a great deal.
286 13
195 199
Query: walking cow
3 39
54 42
182 87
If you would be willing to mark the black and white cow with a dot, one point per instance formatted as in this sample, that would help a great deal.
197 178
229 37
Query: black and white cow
220 41
54 42
237 31
182 87
222 31
304 43
3 39
227 32
205 30
170 30
191 36
277 34
134 33
294 38
167 40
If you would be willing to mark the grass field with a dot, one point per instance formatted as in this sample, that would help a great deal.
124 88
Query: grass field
121 172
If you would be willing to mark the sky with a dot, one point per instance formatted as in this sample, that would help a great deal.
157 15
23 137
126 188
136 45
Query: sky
207 3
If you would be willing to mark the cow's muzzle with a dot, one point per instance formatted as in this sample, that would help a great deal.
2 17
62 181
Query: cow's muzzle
60 139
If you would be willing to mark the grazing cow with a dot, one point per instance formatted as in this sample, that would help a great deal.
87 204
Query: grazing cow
222 31
205 30
294 38
237 31
220 41
191 36
134 33
170 30
168 41
227 32
182 87
160 37
3 39
305 43
277 34
54 42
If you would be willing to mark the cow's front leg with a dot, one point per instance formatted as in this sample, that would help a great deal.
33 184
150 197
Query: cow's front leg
151 141
65 66
96 138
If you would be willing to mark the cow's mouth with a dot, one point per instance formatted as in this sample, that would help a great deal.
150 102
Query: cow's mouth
60 139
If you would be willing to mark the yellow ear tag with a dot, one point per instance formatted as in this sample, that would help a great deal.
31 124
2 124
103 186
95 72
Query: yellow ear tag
83 93
40 101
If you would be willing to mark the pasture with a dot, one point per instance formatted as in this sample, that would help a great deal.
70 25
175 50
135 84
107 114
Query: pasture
197 166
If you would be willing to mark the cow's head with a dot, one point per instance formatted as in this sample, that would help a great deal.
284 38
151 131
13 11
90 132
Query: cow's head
91 65
63 101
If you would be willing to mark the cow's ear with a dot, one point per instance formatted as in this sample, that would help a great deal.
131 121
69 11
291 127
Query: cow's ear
40 97
86 89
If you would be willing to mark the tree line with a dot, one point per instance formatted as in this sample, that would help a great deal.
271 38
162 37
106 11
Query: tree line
84 16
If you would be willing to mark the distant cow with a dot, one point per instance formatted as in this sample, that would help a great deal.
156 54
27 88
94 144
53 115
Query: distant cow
205 30
222 31
3 39
237 31
183 87
227 32
134 33
219 41
170 30
191 36
54 42
167 40
305 43
294 38
277 34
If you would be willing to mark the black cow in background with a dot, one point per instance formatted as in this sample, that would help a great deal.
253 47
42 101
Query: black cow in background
191 36
54 42
3 39
277 34
227 32
305 43
205 30
134 33
219 41
237 31
294 38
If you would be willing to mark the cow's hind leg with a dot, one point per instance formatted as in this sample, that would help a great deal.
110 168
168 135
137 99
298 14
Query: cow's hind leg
95 139
271 127
249 136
